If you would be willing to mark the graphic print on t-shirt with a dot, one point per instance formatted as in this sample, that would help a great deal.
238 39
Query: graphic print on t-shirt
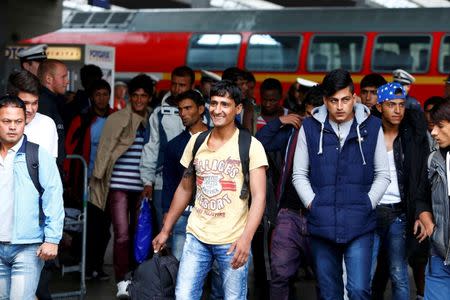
214 179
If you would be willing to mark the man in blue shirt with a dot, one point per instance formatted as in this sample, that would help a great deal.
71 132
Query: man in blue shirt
32 222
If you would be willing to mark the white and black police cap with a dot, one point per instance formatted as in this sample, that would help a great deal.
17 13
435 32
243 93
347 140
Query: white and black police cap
36 52
403 77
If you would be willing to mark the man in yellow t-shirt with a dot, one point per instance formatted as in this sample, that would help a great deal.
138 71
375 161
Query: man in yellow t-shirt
222 225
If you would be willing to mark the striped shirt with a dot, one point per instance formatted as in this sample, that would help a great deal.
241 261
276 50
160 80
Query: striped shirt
125 174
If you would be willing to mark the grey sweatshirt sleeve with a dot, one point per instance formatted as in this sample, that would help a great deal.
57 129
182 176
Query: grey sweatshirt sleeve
381 168
149 157
300 174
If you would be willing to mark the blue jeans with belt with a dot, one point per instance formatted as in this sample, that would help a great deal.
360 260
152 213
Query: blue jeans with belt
20 269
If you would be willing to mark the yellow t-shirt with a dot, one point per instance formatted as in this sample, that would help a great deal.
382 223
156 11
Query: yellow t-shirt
220 216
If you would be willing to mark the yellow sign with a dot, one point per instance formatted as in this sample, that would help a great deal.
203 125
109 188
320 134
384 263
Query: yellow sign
64 53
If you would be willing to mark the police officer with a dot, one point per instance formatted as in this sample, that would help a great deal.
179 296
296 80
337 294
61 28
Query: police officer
31 58
406 80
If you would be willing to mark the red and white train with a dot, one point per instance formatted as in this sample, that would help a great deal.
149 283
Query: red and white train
284 44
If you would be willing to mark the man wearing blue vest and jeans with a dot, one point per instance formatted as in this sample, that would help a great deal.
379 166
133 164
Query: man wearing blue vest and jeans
341 172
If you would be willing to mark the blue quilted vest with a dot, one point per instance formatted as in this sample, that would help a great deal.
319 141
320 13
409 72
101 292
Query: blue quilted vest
341 209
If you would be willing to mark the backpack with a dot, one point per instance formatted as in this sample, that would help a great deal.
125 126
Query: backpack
32 158
155 279
271 209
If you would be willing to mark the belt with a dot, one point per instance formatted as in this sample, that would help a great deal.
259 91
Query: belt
395 206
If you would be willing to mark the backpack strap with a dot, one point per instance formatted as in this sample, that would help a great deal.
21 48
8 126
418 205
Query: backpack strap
245 139
191 168
32 158
162 142
198 142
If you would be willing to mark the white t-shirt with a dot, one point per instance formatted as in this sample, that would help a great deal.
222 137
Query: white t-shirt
42 131
392 194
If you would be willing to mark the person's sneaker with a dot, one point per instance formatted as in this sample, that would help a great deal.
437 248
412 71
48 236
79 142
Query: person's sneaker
122 292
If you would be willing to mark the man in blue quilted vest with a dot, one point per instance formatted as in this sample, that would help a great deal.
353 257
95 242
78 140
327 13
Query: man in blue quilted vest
341 172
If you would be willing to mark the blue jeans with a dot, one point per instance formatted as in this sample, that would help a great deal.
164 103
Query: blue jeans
391 240
327 257
437 279
196 262
20 269
178 240
179 235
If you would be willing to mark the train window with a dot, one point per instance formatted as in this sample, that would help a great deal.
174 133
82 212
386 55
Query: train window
268 52
213 51
444 55
411 53
328 52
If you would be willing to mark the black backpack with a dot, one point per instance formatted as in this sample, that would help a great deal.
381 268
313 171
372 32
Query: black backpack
155 279
32 158
271 209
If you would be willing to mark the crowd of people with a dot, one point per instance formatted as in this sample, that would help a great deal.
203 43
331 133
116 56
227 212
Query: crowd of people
357 184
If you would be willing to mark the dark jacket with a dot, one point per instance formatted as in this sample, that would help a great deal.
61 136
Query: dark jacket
410 155
173 170
278 138
439 205
51 104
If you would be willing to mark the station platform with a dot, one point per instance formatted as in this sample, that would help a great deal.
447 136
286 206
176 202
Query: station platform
106 290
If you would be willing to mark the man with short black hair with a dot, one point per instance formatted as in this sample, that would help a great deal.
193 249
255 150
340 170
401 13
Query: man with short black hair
191 108
290 246
434 213
115 181
39 128
271 92
165 124
340 173
82 101
407 148
32 220
369 86
240 78
221 225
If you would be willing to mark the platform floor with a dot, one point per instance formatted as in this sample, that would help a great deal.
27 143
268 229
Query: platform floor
106 290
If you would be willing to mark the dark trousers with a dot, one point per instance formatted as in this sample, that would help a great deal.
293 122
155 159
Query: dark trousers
124 206
98 235
259 274
290 249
